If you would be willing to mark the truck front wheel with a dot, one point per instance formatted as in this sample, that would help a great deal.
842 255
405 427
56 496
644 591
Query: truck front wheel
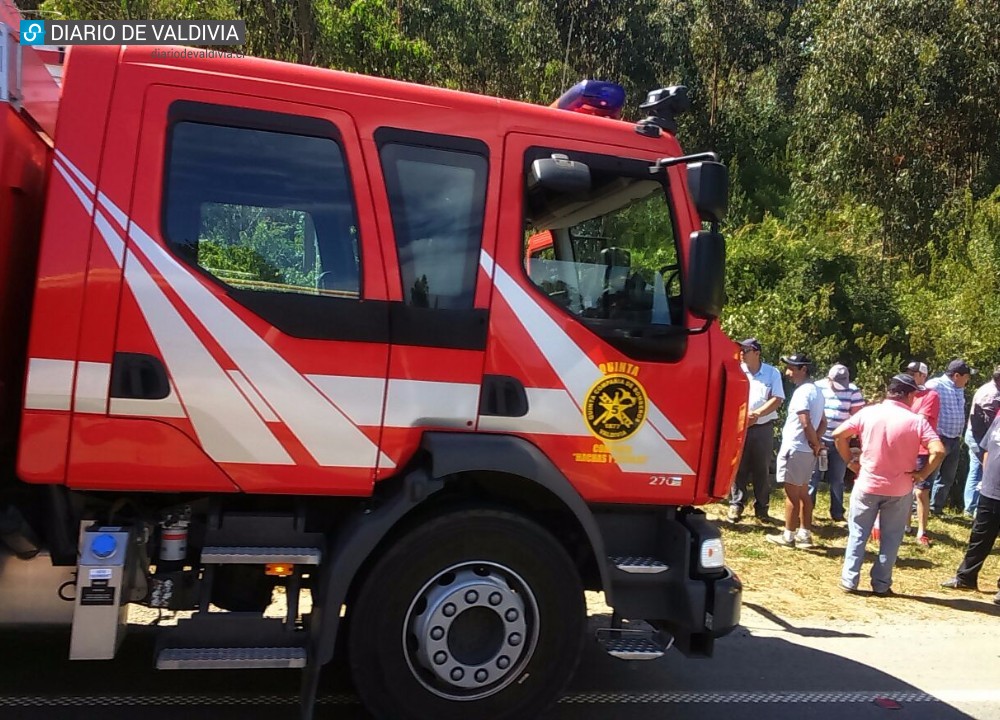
476 614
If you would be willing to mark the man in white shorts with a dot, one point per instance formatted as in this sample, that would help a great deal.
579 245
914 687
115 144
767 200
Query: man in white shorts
800 445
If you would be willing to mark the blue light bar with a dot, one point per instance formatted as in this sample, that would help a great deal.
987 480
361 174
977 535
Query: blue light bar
593 97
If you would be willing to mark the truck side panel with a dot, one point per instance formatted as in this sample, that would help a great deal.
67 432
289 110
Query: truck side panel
23 162
62 268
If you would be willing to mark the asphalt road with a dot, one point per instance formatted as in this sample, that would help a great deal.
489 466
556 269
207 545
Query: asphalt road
768 668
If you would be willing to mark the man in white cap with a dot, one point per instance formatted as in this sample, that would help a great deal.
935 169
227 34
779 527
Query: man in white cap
842 398
800 446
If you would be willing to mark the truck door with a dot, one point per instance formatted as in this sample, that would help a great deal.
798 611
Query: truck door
435 195
588 315
253 323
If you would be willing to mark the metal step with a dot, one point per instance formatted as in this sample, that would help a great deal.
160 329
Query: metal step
638 565
634 648
230 658
244 555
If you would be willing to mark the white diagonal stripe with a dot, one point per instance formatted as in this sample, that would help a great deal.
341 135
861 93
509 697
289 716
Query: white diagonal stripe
324 431
227 427
648 449
87 203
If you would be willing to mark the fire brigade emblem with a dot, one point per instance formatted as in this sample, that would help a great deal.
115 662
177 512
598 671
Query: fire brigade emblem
615 407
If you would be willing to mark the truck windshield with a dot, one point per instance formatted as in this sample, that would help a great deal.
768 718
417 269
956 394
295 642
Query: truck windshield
609 254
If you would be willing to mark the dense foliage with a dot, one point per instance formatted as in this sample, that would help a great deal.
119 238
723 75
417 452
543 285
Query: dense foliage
863 136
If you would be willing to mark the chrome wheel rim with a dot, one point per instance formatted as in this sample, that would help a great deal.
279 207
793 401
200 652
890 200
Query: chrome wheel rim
470 630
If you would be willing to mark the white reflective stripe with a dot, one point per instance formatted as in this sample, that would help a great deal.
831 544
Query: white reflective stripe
417 403
550 412
168 407
115 244
227 427
253 396
648 449
115 211
84 180
49 385
92 382
359 398
323 430
87 203
486 262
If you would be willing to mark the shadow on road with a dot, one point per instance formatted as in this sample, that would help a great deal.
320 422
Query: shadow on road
803 631
749 677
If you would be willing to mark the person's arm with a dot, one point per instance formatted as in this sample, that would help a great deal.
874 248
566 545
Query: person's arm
842 442
933 409
857 401
811 437
772 404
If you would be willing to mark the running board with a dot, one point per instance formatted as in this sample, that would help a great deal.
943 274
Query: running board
638 565
230 658
633 644
216 555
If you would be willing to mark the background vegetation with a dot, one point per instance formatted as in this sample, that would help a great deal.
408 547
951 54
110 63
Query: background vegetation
863 137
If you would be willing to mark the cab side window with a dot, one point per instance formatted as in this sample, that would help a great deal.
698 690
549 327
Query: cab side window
262 211
438 199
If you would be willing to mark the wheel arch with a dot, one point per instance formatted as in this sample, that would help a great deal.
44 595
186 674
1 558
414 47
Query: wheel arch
506 471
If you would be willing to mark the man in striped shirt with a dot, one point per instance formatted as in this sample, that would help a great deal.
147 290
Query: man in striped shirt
950 387
842 399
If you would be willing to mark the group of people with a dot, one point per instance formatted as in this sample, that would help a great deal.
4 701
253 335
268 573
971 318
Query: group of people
904 452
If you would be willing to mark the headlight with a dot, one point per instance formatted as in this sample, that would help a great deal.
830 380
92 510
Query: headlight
713 556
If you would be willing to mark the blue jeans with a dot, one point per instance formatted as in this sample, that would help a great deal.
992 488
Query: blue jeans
835 471
975 474
892 513
944 477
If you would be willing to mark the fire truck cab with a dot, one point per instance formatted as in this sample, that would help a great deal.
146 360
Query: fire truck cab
442 360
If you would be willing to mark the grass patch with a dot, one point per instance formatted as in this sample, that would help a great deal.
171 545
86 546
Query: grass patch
803 583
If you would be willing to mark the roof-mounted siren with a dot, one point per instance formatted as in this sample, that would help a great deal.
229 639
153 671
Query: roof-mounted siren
663 106
593 97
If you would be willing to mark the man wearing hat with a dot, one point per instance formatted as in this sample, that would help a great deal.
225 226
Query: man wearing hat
800 444
926 403
842 399
891 437
766 395
950 387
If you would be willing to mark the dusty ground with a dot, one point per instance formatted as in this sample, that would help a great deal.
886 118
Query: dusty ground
803 584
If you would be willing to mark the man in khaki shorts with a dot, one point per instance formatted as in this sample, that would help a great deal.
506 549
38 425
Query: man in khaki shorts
800 444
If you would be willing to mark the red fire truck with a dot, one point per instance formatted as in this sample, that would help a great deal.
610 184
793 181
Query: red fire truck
436 363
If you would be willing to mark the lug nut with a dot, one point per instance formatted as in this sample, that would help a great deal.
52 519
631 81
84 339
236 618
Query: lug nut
437 633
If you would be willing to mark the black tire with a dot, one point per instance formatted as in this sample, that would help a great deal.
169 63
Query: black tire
451 558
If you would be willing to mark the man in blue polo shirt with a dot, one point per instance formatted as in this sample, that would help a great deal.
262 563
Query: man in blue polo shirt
950 387
766 395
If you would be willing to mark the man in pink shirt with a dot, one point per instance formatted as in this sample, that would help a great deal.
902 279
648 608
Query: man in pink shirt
891 438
